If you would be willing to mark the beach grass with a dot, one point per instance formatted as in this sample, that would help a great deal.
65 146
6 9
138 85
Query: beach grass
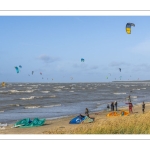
132 124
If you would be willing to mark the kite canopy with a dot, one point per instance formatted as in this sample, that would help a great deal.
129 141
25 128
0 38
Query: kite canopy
82 59
27 123
20 66
17 69
32 72
120 69
128 27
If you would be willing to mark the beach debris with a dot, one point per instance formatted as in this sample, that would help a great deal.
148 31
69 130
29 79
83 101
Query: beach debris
128 27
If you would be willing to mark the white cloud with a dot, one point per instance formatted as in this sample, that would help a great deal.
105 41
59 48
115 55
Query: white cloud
48 59
142 48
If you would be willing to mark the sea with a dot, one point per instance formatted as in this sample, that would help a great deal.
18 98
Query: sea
57 100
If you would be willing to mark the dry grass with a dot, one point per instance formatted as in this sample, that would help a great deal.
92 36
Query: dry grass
133 124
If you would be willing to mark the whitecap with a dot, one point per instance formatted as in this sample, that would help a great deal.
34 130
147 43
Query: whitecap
52 96
119 93
29 107
52 105
31 97
71 91
57 90
45 91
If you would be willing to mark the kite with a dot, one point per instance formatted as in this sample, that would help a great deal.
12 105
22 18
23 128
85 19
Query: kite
128 27
40 73
82 59
17 69
32 72
120 69
20 66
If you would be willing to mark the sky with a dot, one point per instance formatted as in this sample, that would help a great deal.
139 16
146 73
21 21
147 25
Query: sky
54 46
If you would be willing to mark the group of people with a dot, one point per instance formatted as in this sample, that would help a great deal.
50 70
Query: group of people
113 106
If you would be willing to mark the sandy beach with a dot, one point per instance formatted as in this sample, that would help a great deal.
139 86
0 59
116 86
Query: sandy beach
62 124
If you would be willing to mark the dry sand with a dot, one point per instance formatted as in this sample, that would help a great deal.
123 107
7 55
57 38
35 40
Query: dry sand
63 123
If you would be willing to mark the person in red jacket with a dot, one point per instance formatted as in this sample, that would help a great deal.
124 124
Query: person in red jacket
130 107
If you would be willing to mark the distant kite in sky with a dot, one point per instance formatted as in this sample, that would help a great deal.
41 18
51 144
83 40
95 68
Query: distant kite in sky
82 59
32 72
20 66
120 69
128 27
40 73
17 69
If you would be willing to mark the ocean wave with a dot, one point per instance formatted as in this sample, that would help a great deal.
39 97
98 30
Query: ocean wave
1 111
71 91
30 107
119 93
16 91
3 92
52 105
143 88
14 105
31 97
59 87
45 91
57 90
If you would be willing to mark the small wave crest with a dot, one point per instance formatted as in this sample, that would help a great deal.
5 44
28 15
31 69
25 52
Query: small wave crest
119 93
52 105
30 107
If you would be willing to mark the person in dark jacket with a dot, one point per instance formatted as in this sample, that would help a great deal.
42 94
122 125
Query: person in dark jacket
108 107
112 106
143 107
116 105
87 111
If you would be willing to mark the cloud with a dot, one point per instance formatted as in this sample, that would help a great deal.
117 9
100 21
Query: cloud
85 67
115 64
48 59
143 47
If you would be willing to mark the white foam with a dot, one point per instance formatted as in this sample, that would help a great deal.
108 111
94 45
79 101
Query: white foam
143 88
29 107
31 97
16 91
71 91
45 91
53 105
119 93
57 90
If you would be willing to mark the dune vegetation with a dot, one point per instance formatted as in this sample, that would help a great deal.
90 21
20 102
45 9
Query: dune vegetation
132 124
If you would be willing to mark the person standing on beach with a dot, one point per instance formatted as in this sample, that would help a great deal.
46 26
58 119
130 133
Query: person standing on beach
129 98
116 105
112 106
143 107
87 111
130 107
108 107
